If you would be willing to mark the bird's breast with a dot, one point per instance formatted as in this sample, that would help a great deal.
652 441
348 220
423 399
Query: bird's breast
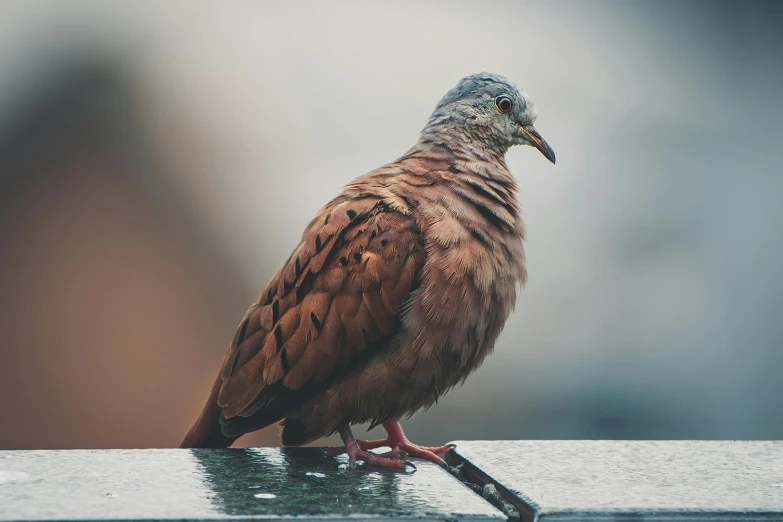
467 291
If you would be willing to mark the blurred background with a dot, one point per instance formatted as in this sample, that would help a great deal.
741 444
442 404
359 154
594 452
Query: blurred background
159 160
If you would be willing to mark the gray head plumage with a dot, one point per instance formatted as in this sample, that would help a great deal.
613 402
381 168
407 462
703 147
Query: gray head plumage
489 108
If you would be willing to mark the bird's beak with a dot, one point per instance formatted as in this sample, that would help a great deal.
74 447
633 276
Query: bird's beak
539 142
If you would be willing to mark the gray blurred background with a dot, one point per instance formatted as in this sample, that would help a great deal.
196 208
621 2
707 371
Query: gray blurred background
158 161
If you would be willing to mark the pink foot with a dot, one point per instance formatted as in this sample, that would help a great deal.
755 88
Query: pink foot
355 453
396 440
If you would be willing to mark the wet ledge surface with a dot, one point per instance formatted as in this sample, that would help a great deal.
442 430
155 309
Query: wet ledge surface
263 483
633 480
546 480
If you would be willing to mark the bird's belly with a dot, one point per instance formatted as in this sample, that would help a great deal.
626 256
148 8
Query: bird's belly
435 353
448 329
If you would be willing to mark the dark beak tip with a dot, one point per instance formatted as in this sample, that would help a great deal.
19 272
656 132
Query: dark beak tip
540 143
547 151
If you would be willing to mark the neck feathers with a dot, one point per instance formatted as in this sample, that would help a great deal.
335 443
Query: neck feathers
464 180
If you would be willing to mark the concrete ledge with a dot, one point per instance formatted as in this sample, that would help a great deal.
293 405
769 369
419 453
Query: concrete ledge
236 484
543 480
632 480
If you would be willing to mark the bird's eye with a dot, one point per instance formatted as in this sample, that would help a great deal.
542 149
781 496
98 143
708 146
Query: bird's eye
504 104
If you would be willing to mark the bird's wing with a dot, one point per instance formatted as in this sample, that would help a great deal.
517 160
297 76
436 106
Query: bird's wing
332 304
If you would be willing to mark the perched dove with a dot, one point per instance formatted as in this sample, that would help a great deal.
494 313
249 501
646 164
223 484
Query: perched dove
395 294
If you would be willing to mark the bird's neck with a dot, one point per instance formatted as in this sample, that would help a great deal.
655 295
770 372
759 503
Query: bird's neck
465 149
466 145
452 174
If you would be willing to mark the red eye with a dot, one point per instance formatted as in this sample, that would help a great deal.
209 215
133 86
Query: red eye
504 104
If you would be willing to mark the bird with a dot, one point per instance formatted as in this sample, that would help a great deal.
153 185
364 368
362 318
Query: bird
396 292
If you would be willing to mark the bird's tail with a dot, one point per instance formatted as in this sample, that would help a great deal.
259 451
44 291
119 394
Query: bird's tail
206 431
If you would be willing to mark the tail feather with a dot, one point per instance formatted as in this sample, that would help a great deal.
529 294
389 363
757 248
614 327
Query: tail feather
206 432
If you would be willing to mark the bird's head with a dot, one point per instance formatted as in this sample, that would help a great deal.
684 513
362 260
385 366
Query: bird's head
491 109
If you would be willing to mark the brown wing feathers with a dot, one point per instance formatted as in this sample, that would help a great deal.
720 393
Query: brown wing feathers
331 305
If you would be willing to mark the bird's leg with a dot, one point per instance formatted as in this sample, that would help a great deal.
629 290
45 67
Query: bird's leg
397 441
356 453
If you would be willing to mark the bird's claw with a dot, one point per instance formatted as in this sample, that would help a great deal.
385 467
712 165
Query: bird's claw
400 446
